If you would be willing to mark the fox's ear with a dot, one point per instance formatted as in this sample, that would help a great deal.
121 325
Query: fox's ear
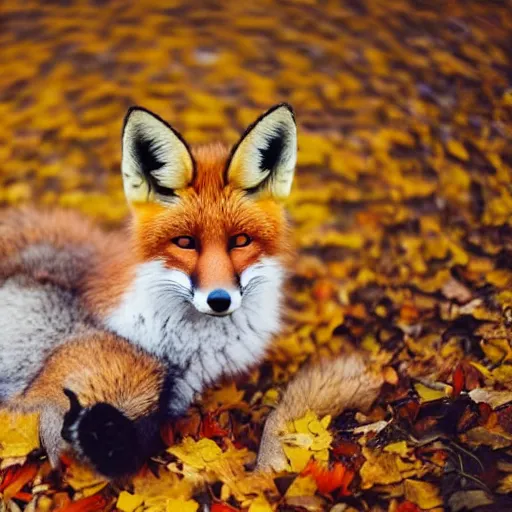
156 160
264 159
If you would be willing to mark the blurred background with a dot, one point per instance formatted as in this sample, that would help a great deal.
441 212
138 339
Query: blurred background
404 111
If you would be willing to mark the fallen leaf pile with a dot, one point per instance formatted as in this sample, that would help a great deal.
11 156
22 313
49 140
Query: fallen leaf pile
402 220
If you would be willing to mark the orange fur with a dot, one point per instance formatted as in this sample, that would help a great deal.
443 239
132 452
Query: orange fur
97 367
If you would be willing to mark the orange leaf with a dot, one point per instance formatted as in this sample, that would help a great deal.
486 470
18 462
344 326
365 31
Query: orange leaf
210 427
327 480
9 476
95 503
22 478
24 496
458 380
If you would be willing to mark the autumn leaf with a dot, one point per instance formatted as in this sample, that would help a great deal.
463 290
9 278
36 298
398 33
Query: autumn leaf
328 480
19 435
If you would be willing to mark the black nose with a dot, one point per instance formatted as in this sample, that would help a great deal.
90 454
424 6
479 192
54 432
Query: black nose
219 300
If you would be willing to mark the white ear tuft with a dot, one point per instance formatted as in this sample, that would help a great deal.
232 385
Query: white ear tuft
156 161
264 159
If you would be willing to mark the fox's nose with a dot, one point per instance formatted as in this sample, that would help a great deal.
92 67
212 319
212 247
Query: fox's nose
219 300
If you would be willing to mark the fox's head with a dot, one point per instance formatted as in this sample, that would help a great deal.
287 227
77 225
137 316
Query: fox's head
211 217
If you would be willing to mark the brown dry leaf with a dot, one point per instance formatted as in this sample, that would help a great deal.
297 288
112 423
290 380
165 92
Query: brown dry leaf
423 494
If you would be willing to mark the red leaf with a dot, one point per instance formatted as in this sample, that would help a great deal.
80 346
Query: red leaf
458 380
409 411
346 449
222 507
505 418
327 480
485 411
407 506
167 434
24 496
210 427
9 476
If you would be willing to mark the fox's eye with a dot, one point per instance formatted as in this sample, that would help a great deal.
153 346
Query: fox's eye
241 240
184 242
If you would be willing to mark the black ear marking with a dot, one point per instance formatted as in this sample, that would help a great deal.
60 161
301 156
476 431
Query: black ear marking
271 155
249 129
145 153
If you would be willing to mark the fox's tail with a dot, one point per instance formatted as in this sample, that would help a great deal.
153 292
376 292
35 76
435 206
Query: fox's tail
328 387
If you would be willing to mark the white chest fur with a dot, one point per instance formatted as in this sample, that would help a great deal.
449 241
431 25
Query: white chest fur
157 313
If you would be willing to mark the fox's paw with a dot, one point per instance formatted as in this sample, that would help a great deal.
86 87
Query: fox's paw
271 456
103 436
50 426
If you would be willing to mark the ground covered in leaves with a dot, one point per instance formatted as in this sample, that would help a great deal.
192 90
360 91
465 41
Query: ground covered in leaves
402 210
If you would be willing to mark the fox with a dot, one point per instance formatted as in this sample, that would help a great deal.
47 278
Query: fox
327 387
196 279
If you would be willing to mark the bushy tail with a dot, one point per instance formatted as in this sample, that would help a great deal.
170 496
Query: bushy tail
328 387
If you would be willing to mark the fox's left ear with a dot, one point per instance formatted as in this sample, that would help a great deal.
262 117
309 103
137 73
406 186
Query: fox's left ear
156 160
264 159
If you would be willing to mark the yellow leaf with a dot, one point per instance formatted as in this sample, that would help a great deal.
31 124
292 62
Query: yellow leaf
457 149
423 494
271 397
80 477
428 394
181 505
326 421
505 485
481 368
19 434
302 486
297 456
197 454
399 447
370 344
127 502
227 396
260 504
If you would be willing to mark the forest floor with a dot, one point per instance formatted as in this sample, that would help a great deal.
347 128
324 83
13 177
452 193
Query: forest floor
402 220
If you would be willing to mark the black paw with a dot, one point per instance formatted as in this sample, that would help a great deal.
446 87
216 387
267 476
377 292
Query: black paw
109 440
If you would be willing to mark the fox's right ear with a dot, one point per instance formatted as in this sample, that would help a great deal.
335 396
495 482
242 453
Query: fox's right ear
156 160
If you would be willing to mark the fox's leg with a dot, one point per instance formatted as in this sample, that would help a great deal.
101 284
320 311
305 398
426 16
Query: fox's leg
50 428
